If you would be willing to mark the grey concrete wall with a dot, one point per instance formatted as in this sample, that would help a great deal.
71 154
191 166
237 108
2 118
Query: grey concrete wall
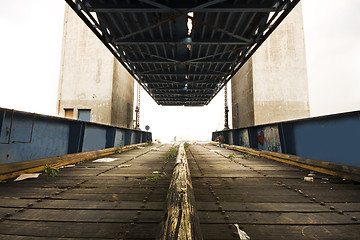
274 81
91 77
280 76
242 97
122 96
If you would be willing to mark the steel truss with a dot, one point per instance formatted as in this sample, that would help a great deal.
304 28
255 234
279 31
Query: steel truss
152 40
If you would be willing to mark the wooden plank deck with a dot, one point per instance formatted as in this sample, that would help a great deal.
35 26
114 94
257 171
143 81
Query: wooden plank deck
269 199
264 198
92 200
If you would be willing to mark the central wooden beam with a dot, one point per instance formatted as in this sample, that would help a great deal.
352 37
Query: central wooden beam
181 220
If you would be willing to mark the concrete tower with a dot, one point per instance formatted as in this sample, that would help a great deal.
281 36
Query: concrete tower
272 86
93 85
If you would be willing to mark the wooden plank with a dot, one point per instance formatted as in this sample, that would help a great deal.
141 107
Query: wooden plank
263 207
99 230
105 197
4 211
182 221
312 164
85 215
14 202
12 170
282 232
91 209
355 207
99 205
287 218
253 198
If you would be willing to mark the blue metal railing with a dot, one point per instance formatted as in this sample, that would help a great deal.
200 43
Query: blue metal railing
332 138
27 136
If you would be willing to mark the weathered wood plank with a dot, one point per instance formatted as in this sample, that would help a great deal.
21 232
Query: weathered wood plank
11 170
99 205
263 207
287 218
181 220
78 230
94 215
281 232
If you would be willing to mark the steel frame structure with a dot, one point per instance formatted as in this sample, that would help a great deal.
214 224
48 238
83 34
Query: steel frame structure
175 63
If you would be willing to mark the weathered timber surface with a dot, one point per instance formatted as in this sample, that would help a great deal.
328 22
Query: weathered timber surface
268 199
11 170
90 200
335 169
263 198
182 221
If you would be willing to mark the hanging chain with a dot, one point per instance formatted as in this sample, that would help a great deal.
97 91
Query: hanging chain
226 125
137 109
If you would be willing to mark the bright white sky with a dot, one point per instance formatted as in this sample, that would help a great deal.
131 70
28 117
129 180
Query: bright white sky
30 47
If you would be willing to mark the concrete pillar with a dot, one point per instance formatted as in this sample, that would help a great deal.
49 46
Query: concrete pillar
273 86
91 78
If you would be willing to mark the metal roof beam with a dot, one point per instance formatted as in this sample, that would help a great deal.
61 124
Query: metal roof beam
125 9
216 7
184 42
183 94
195 19
182 103
171 83
160 73
157 74
156 61
173 90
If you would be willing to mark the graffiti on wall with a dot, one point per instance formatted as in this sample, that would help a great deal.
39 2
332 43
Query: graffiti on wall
244 138
268 139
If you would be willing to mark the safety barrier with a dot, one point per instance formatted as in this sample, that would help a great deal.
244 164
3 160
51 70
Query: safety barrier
27 136
332 138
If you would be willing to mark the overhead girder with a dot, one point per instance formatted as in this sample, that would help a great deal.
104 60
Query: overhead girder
151 39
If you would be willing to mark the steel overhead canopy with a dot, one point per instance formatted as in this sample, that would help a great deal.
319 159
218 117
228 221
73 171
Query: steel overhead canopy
174 63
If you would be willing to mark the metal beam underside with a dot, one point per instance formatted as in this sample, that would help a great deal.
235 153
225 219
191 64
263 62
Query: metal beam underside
152 40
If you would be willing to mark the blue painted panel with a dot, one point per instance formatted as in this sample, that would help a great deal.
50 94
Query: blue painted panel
27 136
333 140
5 127
230 136
133 138
21 128
119 138
244 138
94 138
49 139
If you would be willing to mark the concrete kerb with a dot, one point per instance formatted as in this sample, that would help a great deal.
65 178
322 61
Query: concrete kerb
334 169
12 170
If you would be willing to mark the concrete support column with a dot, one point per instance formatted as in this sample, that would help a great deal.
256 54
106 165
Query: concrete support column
273 86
